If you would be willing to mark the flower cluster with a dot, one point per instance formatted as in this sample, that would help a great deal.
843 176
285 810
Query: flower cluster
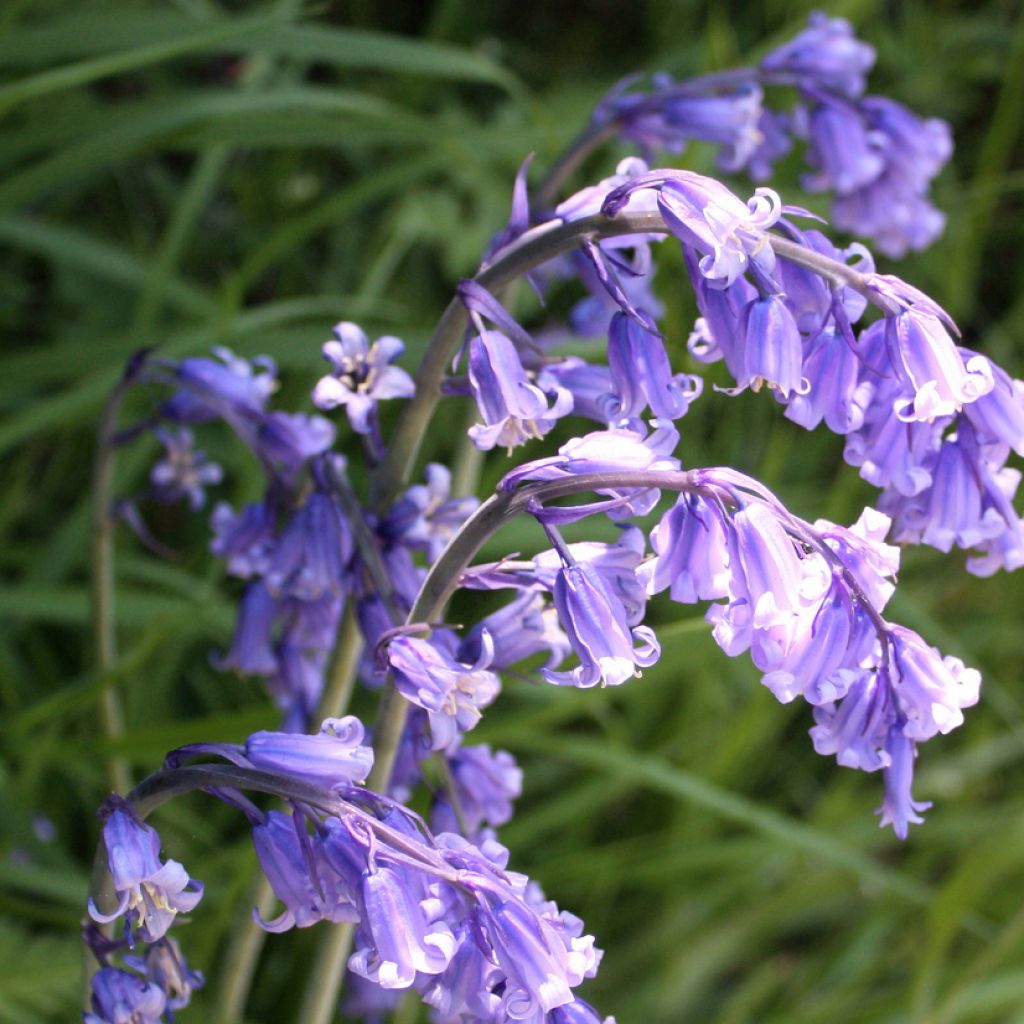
434 909
876 156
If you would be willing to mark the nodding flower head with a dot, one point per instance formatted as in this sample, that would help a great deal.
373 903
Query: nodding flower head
513 409
704 215
150 893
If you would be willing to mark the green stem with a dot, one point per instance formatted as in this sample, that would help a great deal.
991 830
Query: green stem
104 626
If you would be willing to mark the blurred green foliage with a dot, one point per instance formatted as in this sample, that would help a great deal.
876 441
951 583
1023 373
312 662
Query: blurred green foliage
187 173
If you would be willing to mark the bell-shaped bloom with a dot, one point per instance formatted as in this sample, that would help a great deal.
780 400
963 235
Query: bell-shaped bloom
826 54
252 652
842 149
604 451
926 358
150 893
856 728
228 387
930 690
465 990
289 440
642 375
164 965
119 997
706 216
900 809
596 623
772 348
526 626
617 564
485 785
831 370
361 375
513 409
311 558
539 971
400 934
426 517
999 415
452 693
335 755
691 555
302 877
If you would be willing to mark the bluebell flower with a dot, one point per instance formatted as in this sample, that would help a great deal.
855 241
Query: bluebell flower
668 114
301 875
927 360
826 54
452 693
594 619
333 756
526 626
164 965
642 375
485 785
617 563
402 932
150 893
228 387
426 517
899 808
842 149
361 375
513 409
691 552
707 217
183 472
312 555
244 539
121 997
289 440
772 348
252 651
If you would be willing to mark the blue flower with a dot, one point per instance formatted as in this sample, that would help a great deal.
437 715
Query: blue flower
120 997
333 756
150 893
228 387
361 375
595 620
826 54
706 216
642 375
183 472
452 693
513 409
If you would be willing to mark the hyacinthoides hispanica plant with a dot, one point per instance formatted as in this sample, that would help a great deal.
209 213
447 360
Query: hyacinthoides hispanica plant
343 587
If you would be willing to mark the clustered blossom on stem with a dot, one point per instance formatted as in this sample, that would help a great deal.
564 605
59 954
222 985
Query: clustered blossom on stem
877 157
929 422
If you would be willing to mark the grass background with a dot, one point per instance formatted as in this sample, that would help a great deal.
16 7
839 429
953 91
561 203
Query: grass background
194 173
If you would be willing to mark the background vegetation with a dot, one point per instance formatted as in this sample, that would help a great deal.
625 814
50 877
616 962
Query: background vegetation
192 173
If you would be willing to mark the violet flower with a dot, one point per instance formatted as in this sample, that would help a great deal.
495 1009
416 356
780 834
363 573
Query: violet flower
452 693
361 375
183 472
120 997
513 409
150 893
594 618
